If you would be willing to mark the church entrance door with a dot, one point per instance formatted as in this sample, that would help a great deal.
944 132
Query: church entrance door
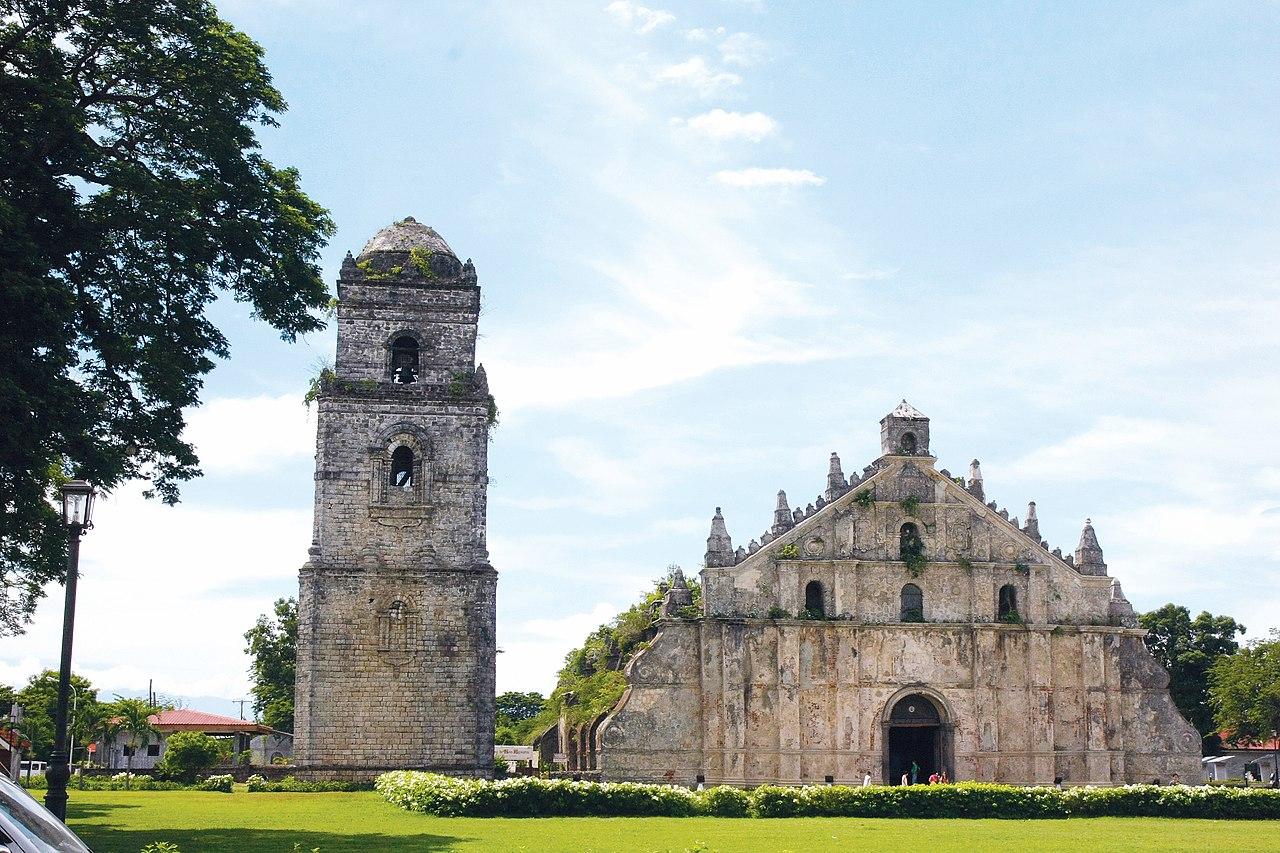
914 735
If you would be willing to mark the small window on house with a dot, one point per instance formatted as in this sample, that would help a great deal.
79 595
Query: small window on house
908 443
402 468
813 599
128 751
153 749
1008 610
910 546
912 604
404 360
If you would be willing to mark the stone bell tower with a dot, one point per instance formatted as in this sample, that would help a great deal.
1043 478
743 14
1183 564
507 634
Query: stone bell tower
396 608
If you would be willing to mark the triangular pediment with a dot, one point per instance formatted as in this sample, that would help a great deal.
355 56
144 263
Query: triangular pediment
865 522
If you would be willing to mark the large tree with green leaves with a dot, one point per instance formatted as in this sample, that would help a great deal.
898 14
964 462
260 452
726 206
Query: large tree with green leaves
273 649
1187 648
39 701
1244 689
516 713
132 194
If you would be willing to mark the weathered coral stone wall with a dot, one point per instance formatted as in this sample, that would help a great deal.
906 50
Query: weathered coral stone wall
751 701
1058 686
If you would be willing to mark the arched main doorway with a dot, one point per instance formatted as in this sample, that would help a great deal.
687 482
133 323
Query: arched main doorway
915 734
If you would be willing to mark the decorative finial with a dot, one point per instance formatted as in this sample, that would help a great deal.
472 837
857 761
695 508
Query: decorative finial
782 518
1089 553
975 481
719 545
836 484
1032 527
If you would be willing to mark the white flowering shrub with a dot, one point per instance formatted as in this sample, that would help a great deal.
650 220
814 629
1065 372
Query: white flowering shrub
531 797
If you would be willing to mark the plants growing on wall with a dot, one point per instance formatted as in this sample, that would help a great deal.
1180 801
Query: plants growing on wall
790 551
420 259
591 680
864 499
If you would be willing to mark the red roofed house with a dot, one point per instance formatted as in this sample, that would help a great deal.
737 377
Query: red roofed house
268 745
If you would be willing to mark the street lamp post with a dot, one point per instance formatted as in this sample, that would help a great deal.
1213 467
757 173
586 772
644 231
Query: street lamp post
77 516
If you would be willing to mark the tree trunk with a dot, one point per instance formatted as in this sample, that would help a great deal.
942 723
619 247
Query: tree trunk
128 770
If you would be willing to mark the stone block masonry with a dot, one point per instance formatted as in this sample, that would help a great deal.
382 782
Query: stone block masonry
396 608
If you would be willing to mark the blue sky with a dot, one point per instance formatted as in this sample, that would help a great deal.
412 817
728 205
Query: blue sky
718 241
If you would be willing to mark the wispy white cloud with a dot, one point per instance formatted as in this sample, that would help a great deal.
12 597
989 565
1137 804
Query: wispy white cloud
744 50
703 34
695 74
760 177
642 18
881 274
721 124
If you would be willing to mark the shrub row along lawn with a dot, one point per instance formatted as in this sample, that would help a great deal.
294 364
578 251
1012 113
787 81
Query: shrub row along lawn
530 797
198 822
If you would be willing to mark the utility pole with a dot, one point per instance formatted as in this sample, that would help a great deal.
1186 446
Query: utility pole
241 703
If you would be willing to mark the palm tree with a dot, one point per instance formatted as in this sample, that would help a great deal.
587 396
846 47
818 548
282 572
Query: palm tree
134 716
105 727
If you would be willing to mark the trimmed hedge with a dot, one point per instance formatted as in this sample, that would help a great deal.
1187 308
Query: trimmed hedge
530 797
293 785
137 782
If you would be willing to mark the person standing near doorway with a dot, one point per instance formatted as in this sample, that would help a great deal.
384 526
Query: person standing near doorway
915 773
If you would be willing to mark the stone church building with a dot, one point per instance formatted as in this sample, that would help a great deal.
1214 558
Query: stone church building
396 610
899 619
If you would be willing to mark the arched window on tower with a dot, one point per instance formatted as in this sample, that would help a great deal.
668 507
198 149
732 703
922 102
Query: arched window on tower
813 599
402 468
404 360
912 604
1008 610
908 443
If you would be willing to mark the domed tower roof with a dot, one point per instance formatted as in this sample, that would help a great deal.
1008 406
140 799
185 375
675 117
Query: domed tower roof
406 235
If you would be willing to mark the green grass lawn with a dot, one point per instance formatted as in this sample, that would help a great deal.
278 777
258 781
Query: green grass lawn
125 821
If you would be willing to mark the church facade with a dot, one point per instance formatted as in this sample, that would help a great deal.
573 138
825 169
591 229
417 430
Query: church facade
396 608
900 620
